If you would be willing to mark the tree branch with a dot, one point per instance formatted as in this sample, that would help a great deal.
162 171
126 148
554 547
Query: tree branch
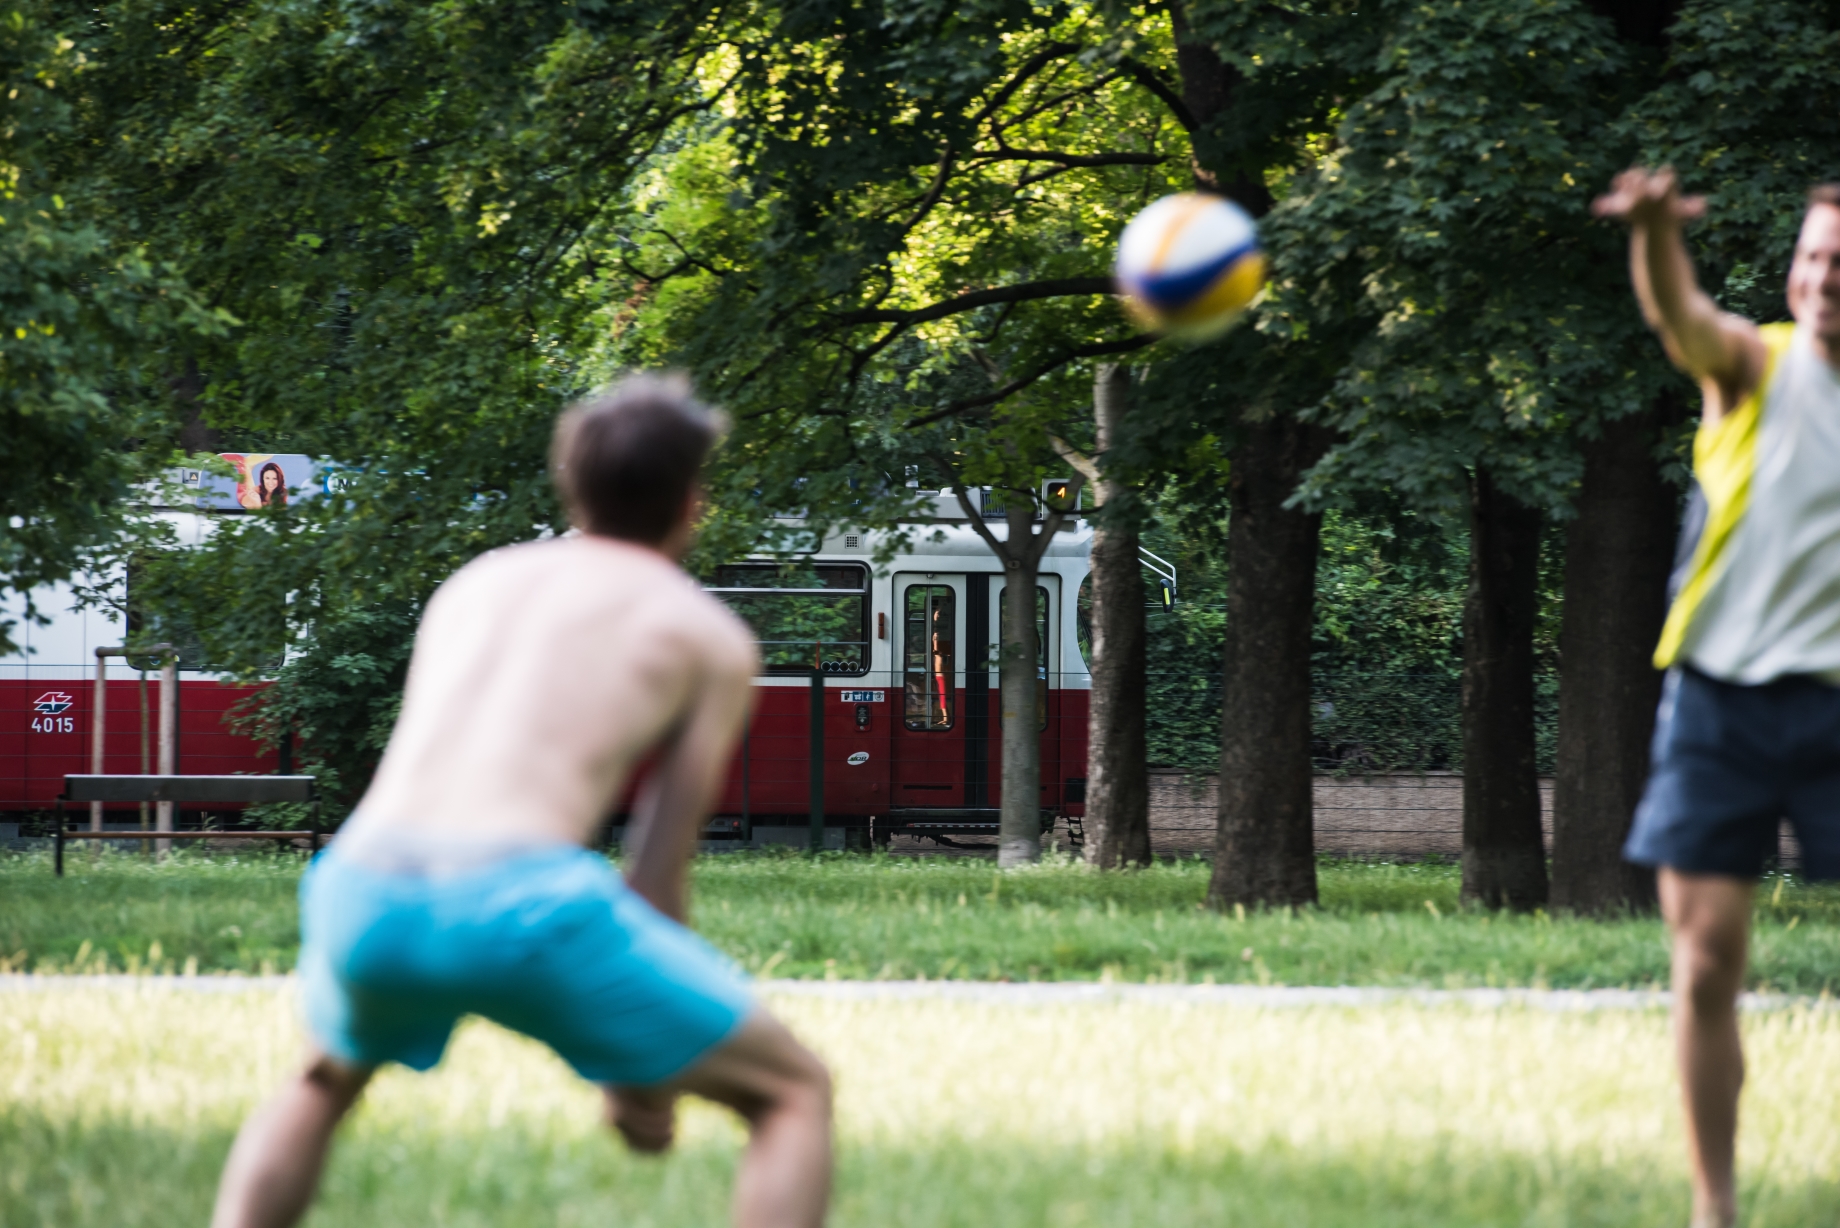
1145 76
1058 287
1049 102
1096 350
999 548
1069 160
1029 67
940 178
1082 464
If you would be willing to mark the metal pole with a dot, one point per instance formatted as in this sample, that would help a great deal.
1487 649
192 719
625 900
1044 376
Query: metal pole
58 837
817 760
146 754
98 717
747 749
169 740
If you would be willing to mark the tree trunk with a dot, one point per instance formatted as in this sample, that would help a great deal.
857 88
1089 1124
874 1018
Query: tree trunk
1207 90
1117 774
1264 849
1019 818
1018 657
1643 22
1504 856
1617 556
194 435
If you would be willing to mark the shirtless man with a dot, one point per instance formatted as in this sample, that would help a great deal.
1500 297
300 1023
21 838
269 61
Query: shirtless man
542 674
1749 726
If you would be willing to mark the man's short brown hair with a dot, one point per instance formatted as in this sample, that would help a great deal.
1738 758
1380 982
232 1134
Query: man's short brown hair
1824 194
625 461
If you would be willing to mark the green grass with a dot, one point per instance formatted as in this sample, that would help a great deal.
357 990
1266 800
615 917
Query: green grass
880 918
120 1103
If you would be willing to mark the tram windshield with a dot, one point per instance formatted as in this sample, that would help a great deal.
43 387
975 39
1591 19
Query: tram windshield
805 616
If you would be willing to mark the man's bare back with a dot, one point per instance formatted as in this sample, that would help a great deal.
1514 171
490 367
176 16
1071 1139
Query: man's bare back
542 675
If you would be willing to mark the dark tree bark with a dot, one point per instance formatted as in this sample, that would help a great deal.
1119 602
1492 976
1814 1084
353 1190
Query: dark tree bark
1207 89
1643 22
1117 773
1265 847
1617 555
195 435
1504 855
1019 811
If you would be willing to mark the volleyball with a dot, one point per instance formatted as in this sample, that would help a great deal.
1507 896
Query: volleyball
1190 264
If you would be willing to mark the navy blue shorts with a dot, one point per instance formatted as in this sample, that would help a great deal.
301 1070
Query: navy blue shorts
1729 764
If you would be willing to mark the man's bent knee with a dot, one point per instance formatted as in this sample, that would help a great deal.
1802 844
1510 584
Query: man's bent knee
336 1080
812 1087
645 1117
760 1069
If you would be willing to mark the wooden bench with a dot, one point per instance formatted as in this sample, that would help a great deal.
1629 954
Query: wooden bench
185 789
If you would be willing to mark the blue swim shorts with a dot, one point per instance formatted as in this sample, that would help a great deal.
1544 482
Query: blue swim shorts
1729 764
551 943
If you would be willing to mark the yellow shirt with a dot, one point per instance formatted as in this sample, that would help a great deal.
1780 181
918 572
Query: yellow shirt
1762 594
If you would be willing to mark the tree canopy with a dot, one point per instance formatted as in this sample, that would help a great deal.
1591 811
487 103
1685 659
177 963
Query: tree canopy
402 235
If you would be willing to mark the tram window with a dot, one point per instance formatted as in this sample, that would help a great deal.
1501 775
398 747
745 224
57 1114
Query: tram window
147 625
1041 650
928 638
804 616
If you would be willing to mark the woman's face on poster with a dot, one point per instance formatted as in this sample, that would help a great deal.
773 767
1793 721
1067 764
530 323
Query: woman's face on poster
271 480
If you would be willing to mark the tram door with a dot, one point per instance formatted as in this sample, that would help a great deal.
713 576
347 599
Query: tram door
1047 686
930 717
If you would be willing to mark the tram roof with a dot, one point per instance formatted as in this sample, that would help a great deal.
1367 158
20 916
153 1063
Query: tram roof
942 538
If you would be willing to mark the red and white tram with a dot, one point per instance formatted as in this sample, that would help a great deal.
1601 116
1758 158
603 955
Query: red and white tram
910 715
905 679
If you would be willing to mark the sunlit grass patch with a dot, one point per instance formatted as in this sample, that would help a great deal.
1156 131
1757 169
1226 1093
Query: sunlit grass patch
118 1105
859 917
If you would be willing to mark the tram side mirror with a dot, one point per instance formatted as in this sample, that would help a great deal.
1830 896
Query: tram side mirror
862 717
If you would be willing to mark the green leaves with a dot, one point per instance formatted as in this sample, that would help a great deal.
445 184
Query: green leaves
907 261
1750 114
88 322
406 207
1450 220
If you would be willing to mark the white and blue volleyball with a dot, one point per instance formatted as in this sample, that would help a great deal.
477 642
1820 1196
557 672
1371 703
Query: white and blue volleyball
1190 264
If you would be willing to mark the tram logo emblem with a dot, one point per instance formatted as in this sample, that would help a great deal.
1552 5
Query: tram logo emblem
52 702
858 759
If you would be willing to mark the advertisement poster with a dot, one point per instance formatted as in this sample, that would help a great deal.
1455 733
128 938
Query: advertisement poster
263 480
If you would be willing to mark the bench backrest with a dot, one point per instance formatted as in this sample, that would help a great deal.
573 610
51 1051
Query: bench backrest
188 788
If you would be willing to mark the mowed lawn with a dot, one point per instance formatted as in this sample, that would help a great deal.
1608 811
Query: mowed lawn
119 1103
859 917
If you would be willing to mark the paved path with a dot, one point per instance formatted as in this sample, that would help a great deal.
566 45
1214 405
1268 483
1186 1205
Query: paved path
1061 993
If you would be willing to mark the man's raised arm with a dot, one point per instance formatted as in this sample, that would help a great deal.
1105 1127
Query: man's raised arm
692 764
1724 352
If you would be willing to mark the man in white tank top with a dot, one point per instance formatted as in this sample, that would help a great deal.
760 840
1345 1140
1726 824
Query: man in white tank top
542 675
1748 733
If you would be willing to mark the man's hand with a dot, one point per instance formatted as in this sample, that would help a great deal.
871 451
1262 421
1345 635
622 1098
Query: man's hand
1642 197
1724 353
646 1119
